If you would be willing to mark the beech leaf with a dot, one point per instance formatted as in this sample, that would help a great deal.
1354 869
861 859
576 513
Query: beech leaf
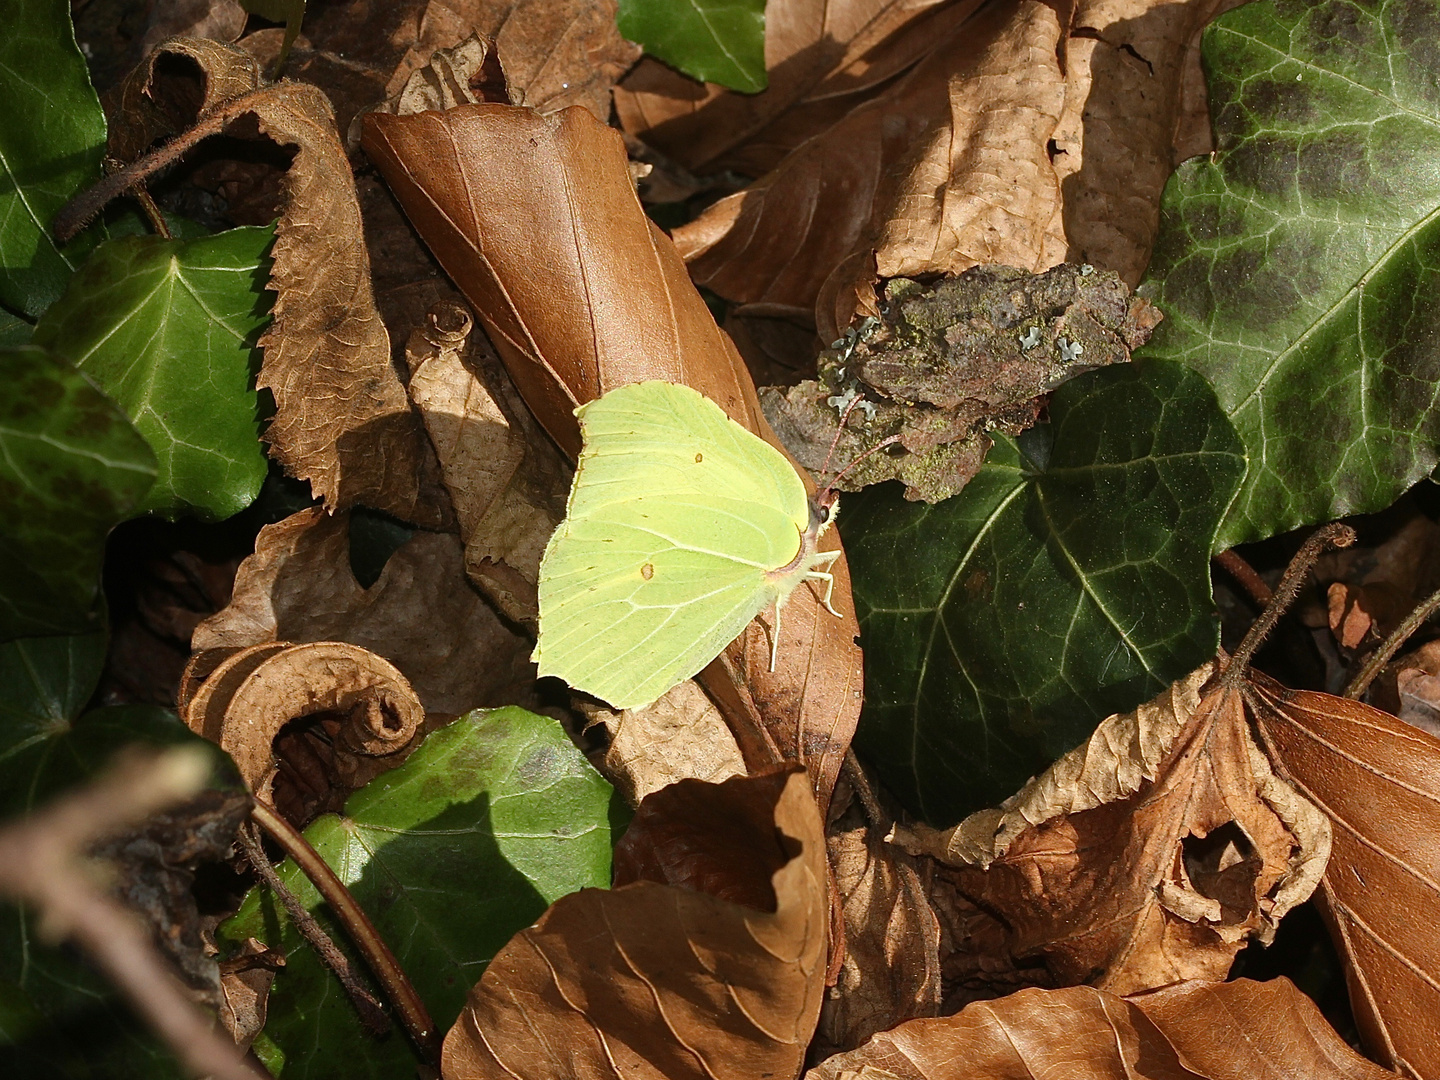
50 149
167 329
71 467
1378 780
1070 578
720 41
1241 1030
1294 267
489 820
705 962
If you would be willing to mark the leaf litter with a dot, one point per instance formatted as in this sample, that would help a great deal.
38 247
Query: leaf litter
1138 864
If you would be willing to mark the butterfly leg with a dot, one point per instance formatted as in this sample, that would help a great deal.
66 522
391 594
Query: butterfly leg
828 558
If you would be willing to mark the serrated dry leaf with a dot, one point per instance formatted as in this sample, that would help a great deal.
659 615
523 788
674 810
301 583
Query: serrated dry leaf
1148 855
682 736
536 219
669 975
946 169
823 58
420 614
342 419
1378 780
1232 1031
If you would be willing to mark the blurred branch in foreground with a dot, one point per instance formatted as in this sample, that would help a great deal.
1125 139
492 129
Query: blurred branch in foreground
43 863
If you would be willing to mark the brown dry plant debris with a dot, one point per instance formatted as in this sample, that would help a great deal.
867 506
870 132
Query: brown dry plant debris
420 614
1191 1031
706 961
1025 134
1149 854
536 219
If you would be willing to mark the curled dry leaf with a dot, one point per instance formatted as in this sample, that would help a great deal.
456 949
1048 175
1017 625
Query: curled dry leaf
1377 779
1241 1030
1148 855
505 478
671 974
682 736
342 419
239 699
420 614
536 219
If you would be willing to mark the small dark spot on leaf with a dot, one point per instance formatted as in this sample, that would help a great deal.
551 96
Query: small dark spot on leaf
647 571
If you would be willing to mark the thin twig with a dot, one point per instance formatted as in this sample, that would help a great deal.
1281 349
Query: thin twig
372 1013
42 863
1381 656
414 1017
1334 535
1245 576
79 211
880 821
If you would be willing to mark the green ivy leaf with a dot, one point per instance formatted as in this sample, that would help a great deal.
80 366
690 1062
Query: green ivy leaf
493 818
71 467
51 146
14 331
719 41
44 683
1299 270
1070 579
167 328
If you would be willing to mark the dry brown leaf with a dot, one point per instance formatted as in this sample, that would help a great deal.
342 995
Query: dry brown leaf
505 478
536 219
1148 855
682 736
216 20
420 614
661 977
342 418
1233 1031
1378 780
823 57
245 980
946 169
891 970
239 699
1134 109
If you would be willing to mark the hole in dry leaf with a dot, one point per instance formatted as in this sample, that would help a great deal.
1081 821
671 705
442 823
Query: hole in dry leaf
1128 48
1223 867
305 777
177 87
1052 150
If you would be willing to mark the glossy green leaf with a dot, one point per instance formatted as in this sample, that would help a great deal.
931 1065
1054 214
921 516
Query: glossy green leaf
1299 269
44 683
14 331
51 144
167 328
719 41
58 1019
71 467
1069 580
494 817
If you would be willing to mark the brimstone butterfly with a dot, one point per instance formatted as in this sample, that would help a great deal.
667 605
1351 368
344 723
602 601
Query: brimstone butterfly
681 527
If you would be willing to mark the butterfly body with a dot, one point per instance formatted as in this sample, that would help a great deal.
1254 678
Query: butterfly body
681 527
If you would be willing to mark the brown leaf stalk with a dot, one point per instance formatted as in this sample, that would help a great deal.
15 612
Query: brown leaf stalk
1334 535
1245 576
42 863
81 210
414 1017
1391 645
372 1013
